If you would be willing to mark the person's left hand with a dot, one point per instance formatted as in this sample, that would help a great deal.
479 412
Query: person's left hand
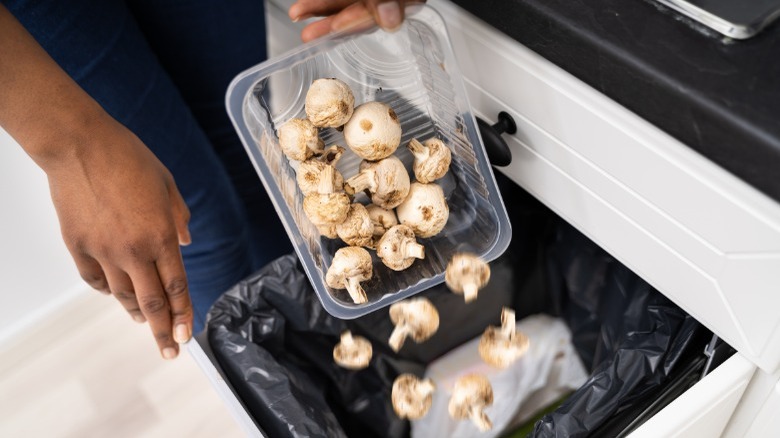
343 14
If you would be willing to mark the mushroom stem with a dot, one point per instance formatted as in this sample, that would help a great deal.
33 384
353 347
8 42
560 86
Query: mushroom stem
379 230
480 418
346 339
507 323
414 249
332 155
356 291
325 184
470 291
398 336
361 181
418 149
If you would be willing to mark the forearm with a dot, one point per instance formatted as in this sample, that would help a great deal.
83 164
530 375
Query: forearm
40 105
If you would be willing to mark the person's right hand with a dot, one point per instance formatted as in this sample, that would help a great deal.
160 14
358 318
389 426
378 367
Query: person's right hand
122 219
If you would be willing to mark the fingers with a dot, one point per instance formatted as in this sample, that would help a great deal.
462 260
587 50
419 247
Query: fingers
303 9
355 17
122 289
91 272
170 269
181 216
388 14
154 305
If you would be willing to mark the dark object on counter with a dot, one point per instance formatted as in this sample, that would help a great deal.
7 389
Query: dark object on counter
497 150
274 341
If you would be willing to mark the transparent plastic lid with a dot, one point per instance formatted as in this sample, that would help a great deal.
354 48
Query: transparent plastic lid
414 71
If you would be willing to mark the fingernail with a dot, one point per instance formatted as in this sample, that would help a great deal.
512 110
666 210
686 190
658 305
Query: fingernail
169 353
139 319
181 333
389 15
301 17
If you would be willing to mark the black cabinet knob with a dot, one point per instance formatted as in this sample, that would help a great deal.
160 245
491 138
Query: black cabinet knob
497 150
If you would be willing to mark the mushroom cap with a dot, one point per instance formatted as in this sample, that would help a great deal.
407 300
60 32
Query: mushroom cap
328 231
466 270
349 262
353 352
500 351
398 248
299 139
418 314
412 397
326 208
381 218
431 161
373 132
470 391
329 103
357 229
425 210
308 176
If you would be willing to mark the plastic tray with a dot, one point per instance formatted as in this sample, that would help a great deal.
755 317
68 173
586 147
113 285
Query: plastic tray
414 71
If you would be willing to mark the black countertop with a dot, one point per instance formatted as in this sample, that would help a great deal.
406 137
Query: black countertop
720 97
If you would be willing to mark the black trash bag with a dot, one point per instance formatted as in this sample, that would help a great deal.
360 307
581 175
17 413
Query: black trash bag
629 335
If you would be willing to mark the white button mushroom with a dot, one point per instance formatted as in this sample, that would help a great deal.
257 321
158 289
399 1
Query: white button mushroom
382 219
386 180
299 139
471 394
398 248
412 397
500 346
328 231
425 210
329 103
416 317
466 273
326 206
353 352
357 229
309 171
351 265
373 132
431 159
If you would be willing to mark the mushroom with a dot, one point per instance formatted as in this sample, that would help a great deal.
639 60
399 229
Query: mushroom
471 394
350 266
466 273
500 346
415 317
381 218
329 103
353 352
425 210
299 140
309 171
398 248
373 132
326 206
328 231
411 396
431 159
357 229
386 180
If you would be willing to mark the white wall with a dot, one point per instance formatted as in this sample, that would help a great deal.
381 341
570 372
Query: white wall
37 274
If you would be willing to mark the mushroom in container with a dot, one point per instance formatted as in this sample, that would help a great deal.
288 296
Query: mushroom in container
373 132
329 103
431 159
466 274
500 346
411 396
382 218
353 352
398 248
309 172
416 318
471 394
350 266
299 139
357 229
327 206
386 180
424 210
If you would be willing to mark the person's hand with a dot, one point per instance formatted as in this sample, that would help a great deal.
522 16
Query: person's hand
122 219
343 14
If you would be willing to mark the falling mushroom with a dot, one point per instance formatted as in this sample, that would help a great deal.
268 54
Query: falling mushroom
471 394
310 171
500 346
327 206
299 139
466 274
386 180
425 210
353 352
398 248
411 396
329 103
357 229
350 266
431 159
373 132
416 317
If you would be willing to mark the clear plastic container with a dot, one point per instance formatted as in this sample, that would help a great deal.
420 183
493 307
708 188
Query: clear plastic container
414 71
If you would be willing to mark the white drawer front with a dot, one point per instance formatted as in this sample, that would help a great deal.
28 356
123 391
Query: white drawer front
704 238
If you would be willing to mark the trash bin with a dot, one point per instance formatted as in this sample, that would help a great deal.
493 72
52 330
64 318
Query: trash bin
273 341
